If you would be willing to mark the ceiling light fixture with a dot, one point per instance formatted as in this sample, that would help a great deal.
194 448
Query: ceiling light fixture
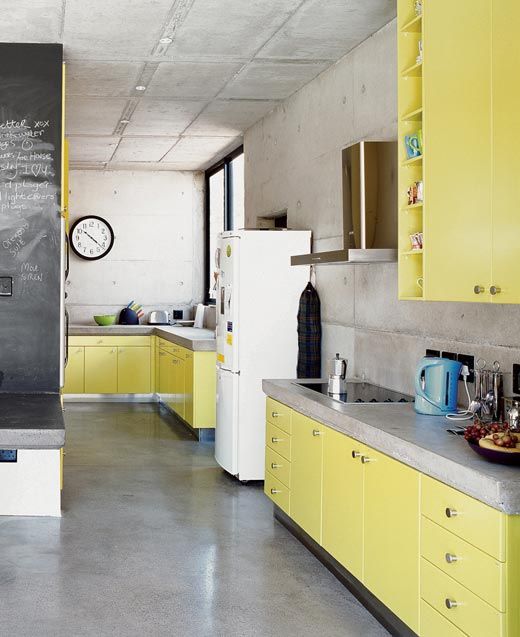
166 40
140 88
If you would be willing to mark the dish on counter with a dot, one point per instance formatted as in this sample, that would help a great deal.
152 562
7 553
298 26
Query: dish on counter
494 442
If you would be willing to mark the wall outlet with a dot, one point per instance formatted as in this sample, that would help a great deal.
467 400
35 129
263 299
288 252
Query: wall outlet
451 355
436 353
468 360
516 378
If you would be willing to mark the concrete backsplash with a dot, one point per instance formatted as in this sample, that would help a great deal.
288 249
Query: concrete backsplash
157 258
293 162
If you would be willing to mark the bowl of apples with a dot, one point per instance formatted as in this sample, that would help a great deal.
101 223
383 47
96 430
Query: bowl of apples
494 442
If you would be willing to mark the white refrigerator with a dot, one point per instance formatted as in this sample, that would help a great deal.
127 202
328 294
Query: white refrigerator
257 305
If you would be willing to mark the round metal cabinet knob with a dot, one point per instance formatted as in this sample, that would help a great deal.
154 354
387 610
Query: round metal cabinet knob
275 491
451 513
275 414
479 289
365 459
450 558
316 432
494 289
356 454
275 466
276 439
450 603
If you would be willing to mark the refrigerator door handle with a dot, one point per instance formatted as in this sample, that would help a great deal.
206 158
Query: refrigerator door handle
66 357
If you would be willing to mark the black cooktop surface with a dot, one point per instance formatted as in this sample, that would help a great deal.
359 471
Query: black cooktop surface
359 392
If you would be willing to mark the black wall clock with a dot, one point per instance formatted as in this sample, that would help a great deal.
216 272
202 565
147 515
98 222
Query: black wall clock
91 237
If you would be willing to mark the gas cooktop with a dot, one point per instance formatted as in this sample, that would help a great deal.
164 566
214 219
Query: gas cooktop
360 392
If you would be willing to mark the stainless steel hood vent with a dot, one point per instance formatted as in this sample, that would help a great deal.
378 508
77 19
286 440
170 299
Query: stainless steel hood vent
369 172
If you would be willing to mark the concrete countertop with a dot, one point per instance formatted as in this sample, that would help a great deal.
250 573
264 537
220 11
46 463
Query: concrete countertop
421 442
31 421
196 339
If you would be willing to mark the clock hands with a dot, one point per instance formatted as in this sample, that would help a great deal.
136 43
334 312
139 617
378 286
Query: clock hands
91 237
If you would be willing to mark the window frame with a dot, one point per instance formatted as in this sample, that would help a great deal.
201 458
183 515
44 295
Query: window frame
223 164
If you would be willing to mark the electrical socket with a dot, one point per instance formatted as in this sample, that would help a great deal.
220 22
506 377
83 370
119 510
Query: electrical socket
436 353
451 355
516 378
468 360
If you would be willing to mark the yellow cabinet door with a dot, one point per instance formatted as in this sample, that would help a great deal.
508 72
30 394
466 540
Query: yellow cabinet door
75 371
306 457
164 375
342 512
101 370
204 382
457 150
506 144
188 389
176 386
133 370
391 535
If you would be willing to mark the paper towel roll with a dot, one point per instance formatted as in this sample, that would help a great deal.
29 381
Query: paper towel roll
199 316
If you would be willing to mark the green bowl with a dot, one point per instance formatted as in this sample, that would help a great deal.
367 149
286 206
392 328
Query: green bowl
105 319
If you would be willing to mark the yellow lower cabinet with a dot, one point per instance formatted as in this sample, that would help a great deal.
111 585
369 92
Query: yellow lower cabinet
165 370
471 614
203 386
101 370
306 464
75 371
188 389
391 535
433 624
133 370
471 567
177 386
278 492
278 466
342 506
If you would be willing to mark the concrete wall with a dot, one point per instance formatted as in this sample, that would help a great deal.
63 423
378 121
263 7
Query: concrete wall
157 256
293 161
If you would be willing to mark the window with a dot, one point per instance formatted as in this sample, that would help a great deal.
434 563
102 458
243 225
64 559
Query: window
224 208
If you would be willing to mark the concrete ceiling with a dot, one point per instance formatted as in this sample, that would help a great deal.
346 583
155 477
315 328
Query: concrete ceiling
229 63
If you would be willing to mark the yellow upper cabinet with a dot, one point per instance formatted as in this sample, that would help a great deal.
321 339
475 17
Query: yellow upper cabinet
306 463
506 149
458 150
462 99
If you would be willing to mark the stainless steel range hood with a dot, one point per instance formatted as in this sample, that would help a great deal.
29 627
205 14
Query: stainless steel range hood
369 171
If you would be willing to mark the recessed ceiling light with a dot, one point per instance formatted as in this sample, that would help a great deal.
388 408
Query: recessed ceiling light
166 40
140 88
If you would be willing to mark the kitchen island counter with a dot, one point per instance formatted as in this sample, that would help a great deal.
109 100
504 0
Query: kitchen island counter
421 442
31 421
196 339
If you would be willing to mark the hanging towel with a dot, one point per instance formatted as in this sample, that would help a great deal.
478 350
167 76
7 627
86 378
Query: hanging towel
309 334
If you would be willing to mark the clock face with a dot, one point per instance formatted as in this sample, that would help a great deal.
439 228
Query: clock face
91 237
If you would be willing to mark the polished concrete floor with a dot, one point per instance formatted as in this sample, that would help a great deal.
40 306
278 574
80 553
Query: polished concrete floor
156 540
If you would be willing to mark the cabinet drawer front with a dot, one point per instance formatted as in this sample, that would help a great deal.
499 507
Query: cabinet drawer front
469 613
433 624
278 414
110 341
476 570
278 440
278 466
277 492
173 348
468 518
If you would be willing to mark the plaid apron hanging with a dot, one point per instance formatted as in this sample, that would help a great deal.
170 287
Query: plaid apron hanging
309 334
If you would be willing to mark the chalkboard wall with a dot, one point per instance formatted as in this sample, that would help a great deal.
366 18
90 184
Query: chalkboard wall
30 204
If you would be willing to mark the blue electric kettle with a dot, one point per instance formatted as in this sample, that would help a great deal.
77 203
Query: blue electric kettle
436 386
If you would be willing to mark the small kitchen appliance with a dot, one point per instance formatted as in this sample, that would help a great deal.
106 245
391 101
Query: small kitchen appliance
128 317
436 386
158 317
337 375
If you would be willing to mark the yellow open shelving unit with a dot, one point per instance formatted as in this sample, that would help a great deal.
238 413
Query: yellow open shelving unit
410 120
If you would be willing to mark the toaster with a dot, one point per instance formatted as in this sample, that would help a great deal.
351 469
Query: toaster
158 317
